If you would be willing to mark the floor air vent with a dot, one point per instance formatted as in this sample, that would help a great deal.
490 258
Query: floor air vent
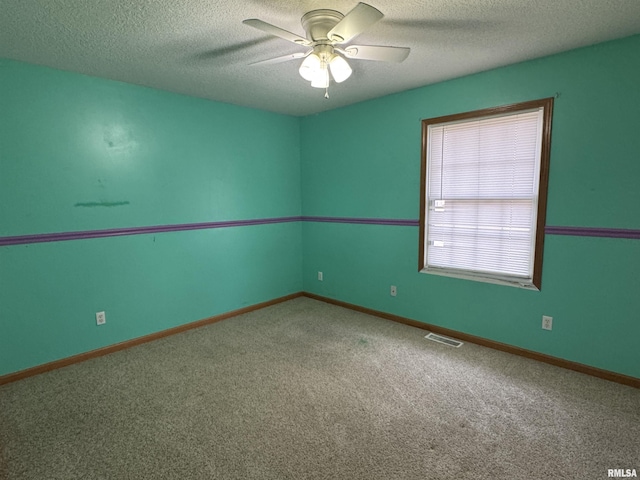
446 340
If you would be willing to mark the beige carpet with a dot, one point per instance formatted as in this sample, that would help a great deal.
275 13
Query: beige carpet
307 390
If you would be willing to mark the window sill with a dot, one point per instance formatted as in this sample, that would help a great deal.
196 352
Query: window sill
523 283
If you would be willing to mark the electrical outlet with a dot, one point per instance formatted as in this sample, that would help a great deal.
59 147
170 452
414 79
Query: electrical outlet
393 291
547 322
320 276
101 318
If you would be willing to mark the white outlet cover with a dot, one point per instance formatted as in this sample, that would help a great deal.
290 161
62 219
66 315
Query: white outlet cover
393 291
101 318
547 322
320 276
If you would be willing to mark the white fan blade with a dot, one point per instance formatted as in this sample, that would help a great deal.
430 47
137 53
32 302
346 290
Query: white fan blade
277 31
283 58
380 54
354 23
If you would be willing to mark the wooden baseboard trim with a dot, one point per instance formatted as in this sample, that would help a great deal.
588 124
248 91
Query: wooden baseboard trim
63 362
541 357
559 362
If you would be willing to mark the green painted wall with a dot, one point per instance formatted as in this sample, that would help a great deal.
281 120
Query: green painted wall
371 168
80 153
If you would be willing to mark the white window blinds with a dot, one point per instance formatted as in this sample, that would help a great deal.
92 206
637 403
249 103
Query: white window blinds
482 195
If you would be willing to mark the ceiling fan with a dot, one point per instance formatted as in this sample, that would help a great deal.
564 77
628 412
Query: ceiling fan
328 33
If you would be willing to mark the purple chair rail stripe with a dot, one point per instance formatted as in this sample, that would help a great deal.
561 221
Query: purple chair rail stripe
364 221
115 232
594 232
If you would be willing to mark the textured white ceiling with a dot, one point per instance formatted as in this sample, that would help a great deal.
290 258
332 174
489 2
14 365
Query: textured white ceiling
201 47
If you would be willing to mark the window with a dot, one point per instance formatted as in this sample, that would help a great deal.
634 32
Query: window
483 193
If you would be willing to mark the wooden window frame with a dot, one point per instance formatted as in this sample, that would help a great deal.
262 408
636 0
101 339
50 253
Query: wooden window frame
543 180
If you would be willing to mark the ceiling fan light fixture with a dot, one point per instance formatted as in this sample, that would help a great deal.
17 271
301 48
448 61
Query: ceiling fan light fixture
315 69
340 69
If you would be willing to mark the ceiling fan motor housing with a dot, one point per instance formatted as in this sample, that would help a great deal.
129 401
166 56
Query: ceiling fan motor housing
318 23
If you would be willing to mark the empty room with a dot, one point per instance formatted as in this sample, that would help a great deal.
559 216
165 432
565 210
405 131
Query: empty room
319 239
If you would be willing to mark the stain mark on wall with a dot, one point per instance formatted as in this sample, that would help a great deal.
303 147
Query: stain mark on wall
101 204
